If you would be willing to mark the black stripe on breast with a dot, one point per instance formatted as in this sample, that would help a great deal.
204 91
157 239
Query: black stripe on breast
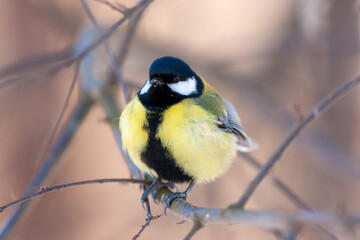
157 157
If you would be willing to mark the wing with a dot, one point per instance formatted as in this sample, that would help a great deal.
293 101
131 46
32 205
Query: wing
230 122
227 118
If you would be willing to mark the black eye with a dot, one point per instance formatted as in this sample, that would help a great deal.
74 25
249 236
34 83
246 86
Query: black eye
176 79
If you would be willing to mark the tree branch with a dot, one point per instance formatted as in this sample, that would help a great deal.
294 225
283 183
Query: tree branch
266 220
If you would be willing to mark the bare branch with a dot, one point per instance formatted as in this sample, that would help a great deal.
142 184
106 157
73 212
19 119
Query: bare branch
43 190
266 220
294 132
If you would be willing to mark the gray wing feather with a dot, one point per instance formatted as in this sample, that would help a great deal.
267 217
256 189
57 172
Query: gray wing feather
230 122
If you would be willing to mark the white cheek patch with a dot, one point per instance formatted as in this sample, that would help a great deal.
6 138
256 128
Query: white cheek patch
184 88
145 88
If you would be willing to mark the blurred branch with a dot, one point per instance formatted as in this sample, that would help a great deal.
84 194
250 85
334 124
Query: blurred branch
112 58
122 9
195 228
94 44
35 62
294 132
72 126
277 182
290 235
110 106
292 196
49 138
43 190
130 32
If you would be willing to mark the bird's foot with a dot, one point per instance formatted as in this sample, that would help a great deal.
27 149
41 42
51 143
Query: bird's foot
171 197
156 184
160 185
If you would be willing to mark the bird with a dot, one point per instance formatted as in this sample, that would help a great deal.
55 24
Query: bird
179 129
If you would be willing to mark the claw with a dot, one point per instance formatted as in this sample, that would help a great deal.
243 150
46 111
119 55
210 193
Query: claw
161 184
171 197
143 200
172 186
154 195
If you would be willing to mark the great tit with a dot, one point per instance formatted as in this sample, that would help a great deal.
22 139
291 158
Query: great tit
179 129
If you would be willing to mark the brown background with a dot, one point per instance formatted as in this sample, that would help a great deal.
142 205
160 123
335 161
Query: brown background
262 55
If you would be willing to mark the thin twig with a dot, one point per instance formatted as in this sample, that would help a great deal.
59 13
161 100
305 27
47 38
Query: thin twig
43 190
294 132
49 138
130 32
35 62
146 224
57 67
121 9
113 62
292 196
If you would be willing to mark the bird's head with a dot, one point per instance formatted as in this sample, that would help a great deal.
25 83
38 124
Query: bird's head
170 81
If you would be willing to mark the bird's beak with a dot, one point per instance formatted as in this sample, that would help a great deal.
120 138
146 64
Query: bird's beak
156 82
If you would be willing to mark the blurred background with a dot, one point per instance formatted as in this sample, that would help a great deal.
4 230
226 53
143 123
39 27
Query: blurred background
264 56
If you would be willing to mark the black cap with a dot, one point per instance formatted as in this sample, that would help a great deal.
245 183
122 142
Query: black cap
171 65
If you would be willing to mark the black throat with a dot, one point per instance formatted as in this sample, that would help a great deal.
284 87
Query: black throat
157 157
159 98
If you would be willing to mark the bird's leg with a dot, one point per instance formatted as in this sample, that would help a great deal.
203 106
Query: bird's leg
145 195
175 195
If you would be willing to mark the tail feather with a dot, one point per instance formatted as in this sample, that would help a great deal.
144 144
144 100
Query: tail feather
247 144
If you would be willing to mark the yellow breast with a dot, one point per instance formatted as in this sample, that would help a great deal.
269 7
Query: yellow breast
133 134
199 147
